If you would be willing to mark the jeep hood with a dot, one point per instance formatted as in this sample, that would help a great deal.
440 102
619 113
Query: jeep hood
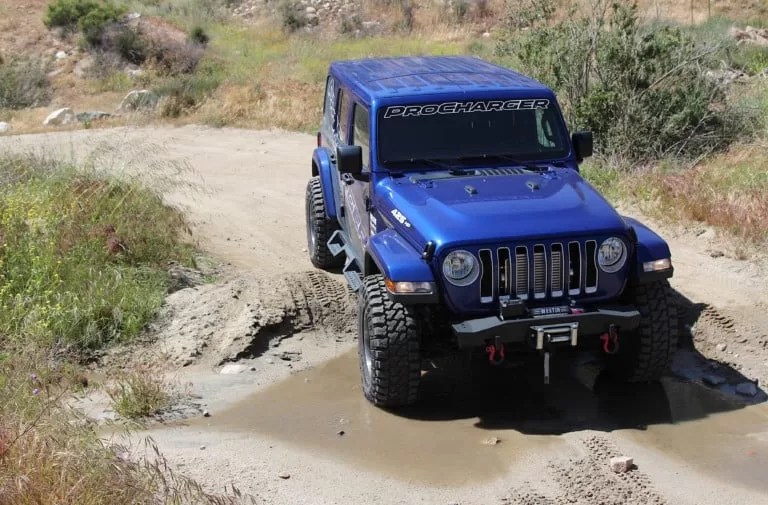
454 210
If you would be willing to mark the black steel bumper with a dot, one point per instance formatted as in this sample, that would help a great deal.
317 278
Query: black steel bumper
483 331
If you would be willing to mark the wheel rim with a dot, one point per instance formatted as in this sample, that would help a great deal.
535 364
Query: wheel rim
311 232
367 354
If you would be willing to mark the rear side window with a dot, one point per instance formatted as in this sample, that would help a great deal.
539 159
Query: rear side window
329 105
343 118
361 133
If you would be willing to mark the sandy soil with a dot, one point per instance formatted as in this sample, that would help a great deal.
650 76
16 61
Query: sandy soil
269 351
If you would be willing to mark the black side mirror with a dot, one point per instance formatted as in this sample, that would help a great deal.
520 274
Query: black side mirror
582 144
349 159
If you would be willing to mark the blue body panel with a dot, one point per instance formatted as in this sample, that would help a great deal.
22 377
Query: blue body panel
321 159
396 259
500 205
650 246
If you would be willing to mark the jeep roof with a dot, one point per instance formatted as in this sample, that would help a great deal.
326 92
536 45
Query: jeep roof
376 78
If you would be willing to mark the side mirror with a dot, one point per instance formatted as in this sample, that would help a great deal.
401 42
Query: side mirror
349 159
582 144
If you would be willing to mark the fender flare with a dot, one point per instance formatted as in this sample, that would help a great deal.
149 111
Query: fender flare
321 165
396 259
649 246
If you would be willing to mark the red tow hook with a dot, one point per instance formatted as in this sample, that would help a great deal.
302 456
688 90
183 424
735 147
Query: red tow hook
495 352
610 340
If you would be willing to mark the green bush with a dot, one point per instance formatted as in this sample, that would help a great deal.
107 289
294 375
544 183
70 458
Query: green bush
185 92
199 36
92 24
67 13
644 92
292 16
23 83
89 16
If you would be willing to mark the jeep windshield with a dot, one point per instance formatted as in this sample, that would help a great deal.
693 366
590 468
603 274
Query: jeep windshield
470 132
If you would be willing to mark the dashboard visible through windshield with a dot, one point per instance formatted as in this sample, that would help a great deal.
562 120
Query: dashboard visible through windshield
523 129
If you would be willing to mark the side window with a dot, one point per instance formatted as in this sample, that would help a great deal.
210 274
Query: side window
329 105
361 133
342 120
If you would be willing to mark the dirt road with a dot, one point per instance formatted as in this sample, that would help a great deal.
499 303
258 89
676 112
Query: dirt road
270 353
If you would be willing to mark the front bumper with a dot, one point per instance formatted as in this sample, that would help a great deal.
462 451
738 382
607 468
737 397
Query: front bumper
487 330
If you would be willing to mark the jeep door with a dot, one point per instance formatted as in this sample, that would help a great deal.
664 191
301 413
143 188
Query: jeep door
354 130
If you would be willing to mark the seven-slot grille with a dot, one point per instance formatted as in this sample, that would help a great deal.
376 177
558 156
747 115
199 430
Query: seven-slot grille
538 272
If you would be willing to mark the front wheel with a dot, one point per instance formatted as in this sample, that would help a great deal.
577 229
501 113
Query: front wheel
388 347
646 354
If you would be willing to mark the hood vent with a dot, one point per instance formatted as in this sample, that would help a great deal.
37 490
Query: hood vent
501 171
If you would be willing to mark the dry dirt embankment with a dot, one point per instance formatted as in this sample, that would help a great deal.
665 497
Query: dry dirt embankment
271 325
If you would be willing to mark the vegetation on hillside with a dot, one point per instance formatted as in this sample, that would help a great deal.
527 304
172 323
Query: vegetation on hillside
83 260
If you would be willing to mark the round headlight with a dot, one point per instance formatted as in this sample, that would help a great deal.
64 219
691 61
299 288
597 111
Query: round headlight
612 255
461 268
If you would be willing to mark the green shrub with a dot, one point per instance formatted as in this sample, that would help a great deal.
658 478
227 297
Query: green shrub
460 9
199 36
186 92
92 24
642 91
23 83
350 24
67 13
292 16
138 395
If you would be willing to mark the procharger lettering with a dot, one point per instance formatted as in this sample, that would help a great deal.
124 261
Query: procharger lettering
464 107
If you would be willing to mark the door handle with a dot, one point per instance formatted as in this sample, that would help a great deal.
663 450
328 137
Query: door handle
347 178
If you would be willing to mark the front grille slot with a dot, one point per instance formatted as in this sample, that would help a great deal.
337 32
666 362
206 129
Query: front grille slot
556 256
574 268
521 272
590 285
486 276
539 272
505 271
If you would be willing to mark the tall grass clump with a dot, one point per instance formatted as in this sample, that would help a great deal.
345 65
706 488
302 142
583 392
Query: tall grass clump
643 90
81 255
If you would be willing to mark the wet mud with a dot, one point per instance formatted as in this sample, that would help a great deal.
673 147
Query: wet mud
479 433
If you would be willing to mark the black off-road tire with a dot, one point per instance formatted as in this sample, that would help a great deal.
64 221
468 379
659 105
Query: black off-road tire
388 347
646 353
320 228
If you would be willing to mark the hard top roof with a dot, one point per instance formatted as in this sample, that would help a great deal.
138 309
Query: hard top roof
374 78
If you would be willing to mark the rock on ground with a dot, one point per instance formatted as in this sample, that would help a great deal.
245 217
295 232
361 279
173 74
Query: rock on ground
60 117
138 99
621 464
5 127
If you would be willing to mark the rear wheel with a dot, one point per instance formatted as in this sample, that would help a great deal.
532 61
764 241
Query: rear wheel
319 228
646 354
388 347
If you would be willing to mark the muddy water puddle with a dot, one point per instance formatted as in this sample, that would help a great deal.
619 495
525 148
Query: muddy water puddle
449 439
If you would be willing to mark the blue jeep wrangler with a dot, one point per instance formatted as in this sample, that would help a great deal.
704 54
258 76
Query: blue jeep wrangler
448 190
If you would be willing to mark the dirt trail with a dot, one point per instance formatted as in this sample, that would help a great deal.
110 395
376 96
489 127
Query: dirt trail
269 351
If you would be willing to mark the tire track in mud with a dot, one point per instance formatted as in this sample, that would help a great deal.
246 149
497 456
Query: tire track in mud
243 317
590 481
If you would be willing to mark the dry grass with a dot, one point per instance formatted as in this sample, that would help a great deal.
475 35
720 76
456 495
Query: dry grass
729 192
138 394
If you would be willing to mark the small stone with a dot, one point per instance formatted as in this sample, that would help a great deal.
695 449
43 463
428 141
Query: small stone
232 369
284 475
722 347
271 361
492 441
310 10
306 380
202 447
61 55
716 254
713 380
621 464
206 413
746 389
340 433
4 127
486 35
253 369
